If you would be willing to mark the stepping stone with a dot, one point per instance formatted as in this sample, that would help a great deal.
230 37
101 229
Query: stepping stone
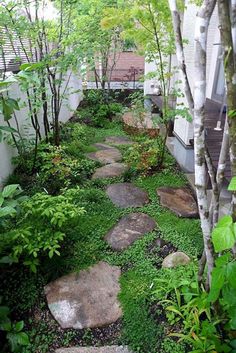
102 146
175 259
118 140
110 171
127 195
106 349
86 299
106 156
178 200
130 228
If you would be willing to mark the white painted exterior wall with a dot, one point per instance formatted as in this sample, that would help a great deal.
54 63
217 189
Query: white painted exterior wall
182 128
68 106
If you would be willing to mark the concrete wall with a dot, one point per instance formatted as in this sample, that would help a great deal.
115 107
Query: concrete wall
68 106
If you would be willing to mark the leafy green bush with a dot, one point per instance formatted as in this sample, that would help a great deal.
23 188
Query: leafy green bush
29 238
188 307
57 170
98 109
144 155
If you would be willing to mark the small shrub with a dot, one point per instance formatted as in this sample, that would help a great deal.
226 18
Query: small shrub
58 170
29 238
144 155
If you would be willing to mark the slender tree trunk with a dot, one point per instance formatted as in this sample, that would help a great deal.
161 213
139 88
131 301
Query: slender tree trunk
227 29
202 23
180 52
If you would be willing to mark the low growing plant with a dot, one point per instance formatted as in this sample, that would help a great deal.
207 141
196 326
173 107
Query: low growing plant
14 335
40 227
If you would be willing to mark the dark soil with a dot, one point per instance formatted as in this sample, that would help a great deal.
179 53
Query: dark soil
159 249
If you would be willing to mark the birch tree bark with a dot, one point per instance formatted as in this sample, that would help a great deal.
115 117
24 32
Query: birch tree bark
180 52
201 29
227 27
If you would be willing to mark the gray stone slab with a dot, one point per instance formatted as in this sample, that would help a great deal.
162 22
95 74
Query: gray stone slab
106 349
127 195
118 140
86 299
178 200
110 171
106 156
102 146
130 228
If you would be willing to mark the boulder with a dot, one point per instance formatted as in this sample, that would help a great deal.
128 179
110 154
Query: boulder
127 195
130 228
178 200
86 299
175 259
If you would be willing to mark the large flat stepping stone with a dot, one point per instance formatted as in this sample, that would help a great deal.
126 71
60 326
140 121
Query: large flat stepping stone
130 228
127 195
102 146
178 200
110 171
106 349
106 156
118 140
86 299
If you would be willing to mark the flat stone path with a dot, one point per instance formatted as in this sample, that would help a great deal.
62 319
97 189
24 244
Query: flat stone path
86 299
102 146
106 349
118 140
178 200
127 195
130 228
106 156
110 171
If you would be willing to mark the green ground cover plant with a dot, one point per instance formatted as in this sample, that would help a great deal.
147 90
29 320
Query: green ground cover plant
88 216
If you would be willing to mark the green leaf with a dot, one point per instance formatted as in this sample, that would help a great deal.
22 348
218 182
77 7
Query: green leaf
4 312
233 343
13 340
232 184
9 190
7 211
6 260
8 129
23 339
217 283
231 274
223 236
31 66
19 326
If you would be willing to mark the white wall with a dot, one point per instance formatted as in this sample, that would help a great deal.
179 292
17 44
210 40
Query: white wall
68 106
183 129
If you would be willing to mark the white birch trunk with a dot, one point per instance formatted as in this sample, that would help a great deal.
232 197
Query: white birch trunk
180 52
202 23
